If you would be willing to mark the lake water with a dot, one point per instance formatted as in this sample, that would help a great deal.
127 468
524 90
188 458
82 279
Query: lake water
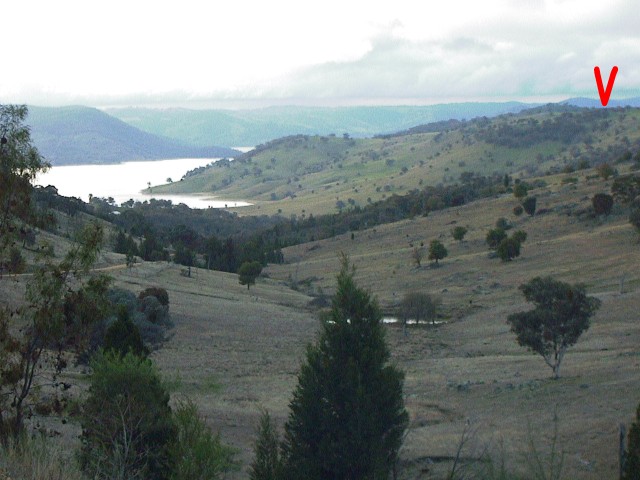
125 181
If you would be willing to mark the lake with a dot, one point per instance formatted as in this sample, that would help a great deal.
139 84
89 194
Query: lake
124 181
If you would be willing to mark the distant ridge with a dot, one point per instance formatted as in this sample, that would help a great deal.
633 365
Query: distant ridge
257 126
83 135
595 103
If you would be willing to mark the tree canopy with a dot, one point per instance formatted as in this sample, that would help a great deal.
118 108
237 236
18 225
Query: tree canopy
347 415
561 314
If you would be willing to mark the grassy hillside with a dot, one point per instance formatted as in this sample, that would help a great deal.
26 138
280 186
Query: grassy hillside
252 127
82 135
310 174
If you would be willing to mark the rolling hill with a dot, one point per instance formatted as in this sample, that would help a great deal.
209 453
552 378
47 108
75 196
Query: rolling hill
82 135
252 127
316 174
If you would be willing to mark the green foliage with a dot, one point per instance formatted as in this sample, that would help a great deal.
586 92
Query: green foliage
248 272
560 316
494 237
157 292
123 336
127 427
602 203
437 251
519 236
196 453
520 190
508 249
503 224
267 464
529 205
459 232
626 189
632 455
518 210
347 415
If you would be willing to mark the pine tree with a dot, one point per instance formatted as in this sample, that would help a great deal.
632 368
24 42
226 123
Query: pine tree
347 415
266 464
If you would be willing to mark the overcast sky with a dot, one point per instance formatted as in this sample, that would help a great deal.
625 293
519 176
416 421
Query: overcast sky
244 53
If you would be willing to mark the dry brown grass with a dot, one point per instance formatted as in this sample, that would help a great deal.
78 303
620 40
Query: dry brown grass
236 351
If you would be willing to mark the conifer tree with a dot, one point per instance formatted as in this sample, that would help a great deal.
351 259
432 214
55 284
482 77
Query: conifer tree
347 415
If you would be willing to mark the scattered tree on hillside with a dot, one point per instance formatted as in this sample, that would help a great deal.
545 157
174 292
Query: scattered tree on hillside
602 203
417 254
437 251
508 249
631 467
626 189
494 237
248 272
520 190
459 232
417 306
529 205
561 314
347 416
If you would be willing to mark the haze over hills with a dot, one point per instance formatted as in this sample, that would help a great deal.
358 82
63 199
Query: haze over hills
256 126
83 135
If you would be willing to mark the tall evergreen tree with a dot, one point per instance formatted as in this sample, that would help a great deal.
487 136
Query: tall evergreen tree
347 415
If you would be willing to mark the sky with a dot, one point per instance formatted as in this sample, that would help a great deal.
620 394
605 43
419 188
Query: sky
245 54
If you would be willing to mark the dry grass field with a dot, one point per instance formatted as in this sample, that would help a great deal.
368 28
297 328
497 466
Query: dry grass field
237 351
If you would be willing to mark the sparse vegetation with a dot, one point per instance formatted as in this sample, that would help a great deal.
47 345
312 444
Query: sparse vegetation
459 232
437 251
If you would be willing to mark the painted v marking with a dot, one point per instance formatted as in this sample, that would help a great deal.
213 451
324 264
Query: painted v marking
605 94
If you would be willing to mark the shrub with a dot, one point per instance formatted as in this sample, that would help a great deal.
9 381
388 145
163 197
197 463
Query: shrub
196 453
126 426
518 210
503 224
602 203
267 464
157 292
520 190
605 170
459 232
123 336
529 205
508 249
494 237
519 236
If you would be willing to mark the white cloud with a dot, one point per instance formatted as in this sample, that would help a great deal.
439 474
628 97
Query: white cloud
196 51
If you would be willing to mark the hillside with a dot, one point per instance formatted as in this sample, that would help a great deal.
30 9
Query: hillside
252 127
82 135
305 175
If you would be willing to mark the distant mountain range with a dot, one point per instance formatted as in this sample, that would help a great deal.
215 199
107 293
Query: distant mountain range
82 135
253 127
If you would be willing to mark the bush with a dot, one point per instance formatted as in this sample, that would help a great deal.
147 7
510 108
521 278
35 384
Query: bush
126 426
602 203
520 190
518 210
529 205
508 249
458 233
634 218
267 464
157 292
123 336
494 237
196 453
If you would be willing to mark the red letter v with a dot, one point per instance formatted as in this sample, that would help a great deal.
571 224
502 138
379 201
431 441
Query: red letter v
605 94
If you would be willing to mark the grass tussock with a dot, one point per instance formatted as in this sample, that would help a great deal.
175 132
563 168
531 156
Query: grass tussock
37 459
